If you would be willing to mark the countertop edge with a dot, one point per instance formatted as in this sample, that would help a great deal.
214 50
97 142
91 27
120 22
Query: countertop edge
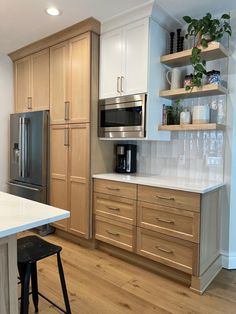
142 181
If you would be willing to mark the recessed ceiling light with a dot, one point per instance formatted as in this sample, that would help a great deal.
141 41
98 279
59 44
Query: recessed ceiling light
53 11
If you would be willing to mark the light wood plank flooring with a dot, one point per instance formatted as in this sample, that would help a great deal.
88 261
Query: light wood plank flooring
102 284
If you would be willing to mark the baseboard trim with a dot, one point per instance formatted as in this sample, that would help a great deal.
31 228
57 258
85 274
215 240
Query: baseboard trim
228 260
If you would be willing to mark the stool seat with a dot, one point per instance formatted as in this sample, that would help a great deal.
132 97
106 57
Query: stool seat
31 249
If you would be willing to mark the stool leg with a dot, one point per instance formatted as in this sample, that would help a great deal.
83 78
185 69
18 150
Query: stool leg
34 282
24 308
63 284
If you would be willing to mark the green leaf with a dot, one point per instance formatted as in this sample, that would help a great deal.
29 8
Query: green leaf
204 43
225 16
187 87
187 19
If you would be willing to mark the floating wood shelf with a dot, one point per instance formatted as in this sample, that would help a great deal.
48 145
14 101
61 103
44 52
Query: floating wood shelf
214 51
206 90
193 127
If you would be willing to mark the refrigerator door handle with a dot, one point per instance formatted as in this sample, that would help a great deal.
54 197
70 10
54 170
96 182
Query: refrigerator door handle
20 147
23 148
24 187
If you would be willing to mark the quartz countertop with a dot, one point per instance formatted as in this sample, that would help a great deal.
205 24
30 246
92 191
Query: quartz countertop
175 183
19 214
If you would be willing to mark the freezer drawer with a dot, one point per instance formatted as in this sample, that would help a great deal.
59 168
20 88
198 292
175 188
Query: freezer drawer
31 192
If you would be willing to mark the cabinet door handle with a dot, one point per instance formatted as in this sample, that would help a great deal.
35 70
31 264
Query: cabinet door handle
29 102
164 250
113 208
66 137
118 84
162 197
113 234
121 84
113 189
67 106
165 220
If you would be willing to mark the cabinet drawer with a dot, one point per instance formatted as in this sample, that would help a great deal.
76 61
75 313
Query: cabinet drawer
115 188
170 221
115 233
182 255
170 198
114 207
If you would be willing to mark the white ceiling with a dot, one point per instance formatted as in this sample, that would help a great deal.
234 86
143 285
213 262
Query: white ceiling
24 21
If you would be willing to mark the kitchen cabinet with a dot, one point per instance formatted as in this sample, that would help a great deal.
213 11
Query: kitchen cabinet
172 226
124 60
70 172
79 179
59 170
32 82
70 81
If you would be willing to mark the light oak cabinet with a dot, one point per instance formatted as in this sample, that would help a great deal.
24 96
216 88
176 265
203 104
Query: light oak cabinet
176 228
124 60
32 82
70 172
70 81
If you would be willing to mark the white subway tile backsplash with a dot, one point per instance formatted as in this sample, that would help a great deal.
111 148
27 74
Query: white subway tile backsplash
195 155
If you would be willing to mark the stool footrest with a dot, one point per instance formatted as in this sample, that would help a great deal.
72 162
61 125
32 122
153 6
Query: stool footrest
51 302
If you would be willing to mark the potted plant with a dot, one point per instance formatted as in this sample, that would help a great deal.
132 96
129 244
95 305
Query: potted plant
204 30
173 113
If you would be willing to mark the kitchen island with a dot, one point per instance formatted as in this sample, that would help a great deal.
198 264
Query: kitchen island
18 214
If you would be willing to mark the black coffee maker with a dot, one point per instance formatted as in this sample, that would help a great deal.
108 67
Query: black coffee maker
126 158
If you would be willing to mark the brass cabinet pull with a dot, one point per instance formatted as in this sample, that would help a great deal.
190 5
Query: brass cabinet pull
67 106
112 233
121 84
165 220
164 250
66 137
162 197
113 208
113 189
29 103
118 84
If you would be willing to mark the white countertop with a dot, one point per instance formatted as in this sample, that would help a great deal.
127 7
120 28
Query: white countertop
183 184
19 214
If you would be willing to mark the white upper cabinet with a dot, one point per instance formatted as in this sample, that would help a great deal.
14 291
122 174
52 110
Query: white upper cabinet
111 64
124 60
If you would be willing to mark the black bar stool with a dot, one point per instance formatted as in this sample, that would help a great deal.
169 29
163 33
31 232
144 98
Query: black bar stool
31 249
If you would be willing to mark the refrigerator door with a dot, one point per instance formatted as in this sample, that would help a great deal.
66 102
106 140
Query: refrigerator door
31 192
29 147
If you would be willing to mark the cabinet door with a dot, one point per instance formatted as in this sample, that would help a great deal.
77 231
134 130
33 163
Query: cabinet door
59 170
110 64
22 85
58 83
135 58
79 79
79 165
40 80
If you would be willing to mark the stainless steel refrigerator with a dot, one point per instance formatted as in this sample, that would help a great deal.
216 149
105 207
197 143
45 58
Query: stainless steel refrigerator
29 157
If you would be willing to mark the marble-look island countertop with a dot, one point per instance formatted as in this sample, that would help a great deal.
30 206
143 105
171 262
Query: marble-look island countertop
182 184
19 214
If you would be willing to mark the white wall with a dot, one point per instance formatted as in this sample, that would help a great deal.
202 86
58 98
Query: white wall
6 107
228 241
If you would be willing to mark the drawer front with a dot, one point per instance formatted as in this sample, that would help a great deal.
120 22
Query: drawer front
170 221
115 233
171 198
116 208
115 188
179 254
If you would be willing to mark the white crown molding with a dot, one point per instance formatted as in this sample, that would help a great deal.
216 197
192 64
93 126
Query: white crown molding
149 9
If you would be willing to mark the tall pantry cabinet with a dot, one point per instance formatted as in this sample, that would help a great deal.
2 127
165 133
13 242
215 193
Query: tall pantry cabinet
60 73
70 87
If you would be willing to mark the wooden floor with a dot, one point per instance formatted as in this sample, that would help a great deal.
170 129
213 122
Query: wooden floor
101 284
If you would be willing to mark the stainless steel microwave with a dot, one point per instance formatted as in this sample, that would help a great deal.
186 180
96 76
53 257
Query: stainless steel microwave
122 117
